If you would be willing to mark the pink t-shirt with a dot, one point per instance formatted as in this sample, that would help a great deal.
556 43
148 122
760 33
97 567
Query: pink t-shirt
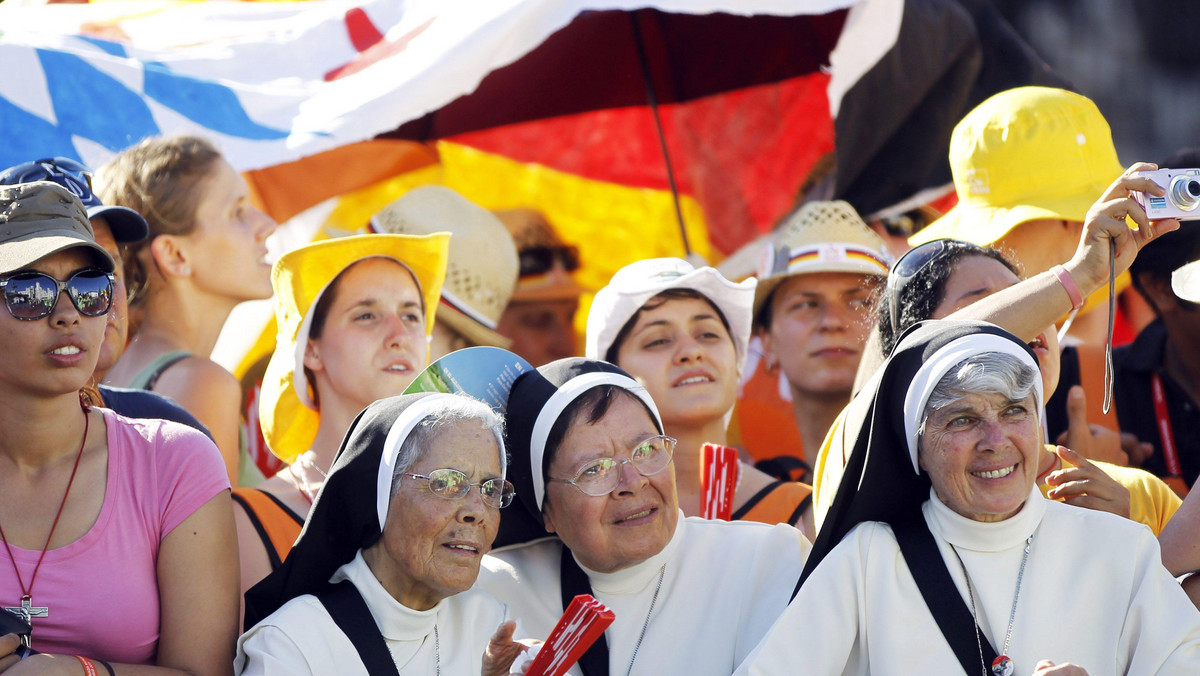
102 589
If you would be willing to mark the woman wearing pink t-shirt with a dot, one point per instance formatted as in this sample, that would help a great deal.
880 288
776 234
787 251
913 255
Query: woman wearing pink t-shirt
118 545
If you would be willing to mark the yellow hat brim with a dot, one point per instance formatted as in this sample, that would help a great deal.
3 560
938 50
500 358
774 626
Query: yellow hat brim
984 224
298 278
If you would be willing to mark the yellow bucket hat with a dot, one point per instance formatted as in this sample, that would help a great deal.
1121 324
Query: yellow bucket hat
289 421
1024 154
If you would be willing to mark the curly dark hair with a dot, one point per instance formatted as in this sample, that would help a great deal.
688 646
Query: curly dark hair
927 289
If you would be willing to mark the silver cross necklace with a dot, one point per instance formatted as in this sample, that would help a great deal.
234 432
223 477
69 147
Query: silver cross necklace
1003 664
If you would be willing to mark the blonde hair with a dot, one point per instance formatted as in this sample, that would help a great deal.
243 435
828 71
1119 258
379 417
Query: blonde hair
158 179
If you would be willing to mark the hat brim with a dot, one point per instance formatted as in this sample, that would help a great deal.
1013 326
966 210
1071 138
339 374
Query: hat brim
767 285
735 300
126 224
23 252
288 426
473 331
1185 282
984 225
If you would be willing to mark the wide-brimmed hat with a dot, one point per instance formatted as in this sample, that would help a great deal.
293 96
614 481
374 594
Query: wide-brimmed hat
286 412
547 263
42 218
638 282
481 271
1025 154
126 224
821 237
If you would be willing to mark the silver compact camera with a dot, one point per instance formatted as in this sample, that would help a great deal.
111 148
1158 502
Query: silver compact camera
1182 200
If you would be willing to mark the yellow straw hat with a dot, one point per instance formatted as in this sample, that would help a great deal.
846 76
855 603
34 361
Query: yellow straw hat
289 421
481 271
821 237
1025 154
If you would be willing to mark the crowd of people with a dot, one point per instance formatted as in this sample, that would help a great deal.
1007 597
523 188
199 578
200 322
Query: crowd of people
931 478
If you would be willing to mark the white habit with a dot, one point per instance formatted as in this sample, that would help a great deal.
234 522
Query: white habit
301 638
724 584
1094 593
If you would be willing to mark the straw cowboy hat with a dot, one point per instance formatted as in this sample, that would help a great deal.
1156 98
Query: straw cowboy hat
821 237
482 268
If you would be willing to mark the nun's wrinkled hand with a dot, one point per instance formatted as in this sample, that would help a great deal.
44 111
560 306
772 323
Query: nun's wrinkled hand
1048 668
1106 222
502 650
1086 485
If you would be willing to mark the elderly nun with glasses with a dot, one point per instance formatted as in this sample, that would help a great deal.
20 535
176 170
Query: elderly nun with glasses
380 579
939 555
599 514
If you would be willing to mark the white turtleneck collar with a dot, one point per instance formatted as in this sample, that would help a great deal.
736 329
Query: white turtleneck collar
397 622
980 536
638 576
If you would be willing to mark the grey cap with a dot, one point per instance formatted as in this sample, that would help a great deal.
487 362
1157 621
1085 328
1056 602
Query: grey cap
42 218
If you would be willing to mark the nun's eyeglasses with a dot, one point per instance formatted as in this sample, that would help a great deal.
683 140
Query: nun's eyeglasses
602 475
451 484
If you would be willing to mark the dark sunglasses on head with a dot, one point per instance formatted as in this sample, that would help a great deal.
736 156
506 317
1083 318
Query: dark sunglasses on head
909 265
62 170
33 295
539 260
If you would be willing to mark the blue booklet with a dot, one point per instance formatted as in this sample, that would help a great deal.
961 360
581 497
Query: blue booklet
485 373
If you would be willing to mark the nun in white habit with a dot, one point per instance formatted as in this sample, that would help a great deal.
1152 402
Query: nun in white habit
379 581
593 468
939 556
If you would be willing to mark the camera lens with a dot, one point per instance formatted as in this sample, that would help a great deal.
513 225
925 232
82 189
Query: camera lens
1185 192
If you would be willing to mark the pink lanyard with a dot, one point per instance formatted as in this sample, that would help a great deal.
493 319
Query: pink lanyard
1170 456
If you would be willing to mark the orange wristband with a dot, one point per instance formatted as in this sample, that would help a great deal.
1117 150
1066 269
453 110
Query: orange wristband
1068 284
88 667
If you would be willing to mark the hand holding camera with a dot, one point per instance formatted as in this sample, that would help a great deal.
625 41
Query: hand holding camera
1182 198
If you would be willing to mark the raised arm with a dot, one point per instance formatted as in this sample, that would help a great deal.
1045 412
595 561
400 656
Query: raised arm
1026 309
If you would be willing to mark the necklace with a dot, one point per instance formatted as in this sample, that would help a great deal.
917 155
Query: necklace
27 611
653 599
1003 664
301 482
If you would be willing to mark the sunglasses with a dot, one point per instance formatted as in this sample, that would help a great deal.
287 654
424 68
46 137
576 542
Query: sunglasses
539 260
908 267
451 484
66 172
33 295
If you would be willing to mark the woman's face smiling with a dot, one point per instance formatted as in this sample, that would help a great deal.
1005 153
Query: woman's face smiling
55 354
981 454
629 525
684 356
431 547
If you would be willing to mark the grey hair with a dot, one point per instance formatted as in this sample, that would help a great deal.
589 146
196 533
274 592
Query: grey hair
462 409
986 373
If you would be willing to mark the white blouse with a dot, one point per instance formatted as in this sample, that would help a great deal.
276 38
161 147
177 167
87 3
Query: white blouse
1094 593
723 585
301 638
